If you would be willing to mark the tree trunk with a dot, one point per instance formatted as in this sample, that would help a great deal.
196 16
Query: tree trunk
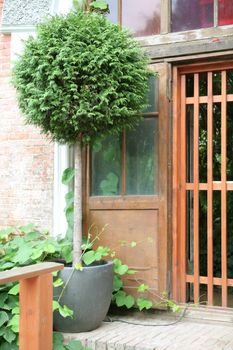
77 234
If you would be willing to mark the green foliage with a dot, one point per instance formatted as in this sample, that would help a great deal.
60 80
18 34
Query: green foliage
58 343
20 247
82 77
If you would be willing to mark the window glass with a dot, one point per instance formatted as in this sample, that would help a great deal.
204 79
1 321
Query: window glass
153 95
192 14
106 167
113 11
142 17
141 152
225 12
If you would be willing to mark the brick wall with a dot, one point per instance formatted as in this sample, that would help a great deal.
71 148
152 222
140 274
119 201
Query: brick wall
26 158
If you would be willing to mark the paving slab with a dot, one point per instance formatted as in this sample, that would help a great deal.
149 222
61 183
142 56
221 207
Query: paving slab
158 333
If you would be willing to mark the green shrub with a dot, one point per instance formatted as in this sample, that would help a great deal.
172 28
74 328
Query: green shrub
82 77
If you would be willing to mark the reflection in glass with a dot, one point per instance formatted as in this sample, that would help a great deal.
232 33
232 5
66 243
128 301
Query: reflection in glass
141 158
192 14
230 82
225 12
189 228
230 234
189 139
113 9
203 232
106 167
217 141
153 95
217 87
203 84
142 17
203 143
217 233
189 85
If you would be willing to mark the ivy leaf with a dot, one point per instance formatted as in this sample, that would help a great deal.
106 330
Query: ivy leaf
122 269
9 335
67 253
67 175
69 197
129 301
143 303
14 323
3 317
58 341
58 282
15 310
89 257
143 288
3 297
75 345
23 255
120 298
99 4
69 212
79 267
117 283
27 228
14 290
65 311
55 305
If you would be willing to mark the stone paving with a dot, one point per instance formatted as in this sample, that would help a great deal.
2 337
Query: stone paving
155 335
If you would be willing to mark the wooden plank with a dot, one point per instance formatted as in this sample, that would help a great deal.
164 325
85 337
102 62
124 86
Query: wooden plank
36 320
204 99
210 188
182 170
175 182
120 203
177 49
205 67
217 281
196 189
21 273
217 186
165 14
164 138
119 9
224 188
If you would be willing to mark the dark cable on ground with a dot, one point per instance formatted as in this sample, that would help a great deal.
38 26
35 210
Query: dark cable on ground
109 320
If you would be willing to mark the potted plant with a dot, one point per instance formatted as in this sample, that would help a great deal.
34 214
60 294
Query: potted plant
79 79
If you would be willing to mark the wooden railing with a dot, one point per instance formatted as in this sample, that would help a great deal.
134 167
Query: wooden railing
35 297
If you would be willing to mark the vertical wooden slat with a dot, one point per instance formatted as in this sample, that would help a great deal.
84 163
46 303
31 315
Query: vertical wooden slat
183 238
119 5
210 188
175 192
224 190
196 188
165 13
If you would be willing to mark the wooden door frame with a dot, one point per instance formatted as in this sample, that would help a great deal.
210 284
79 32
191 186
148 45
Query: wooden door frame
179 172
162 200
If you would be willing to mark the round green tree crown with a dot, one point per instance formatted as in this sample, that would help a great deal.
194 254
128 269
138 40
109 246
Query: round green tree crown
81 77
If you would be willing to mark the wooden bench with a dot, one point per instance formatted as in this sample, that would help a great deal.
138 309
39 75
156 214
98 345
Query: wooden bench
35 298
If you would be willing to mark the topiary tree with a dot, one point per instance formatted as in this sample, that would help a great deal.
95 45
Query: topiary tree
79 79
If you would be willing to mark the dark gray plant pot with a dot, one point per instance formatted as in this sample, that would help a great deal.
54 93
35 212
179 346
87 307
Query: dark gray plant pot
88 294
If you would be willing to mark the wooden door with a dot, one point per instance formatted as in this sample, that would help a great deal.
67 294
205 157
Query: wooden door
203 184
127 189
